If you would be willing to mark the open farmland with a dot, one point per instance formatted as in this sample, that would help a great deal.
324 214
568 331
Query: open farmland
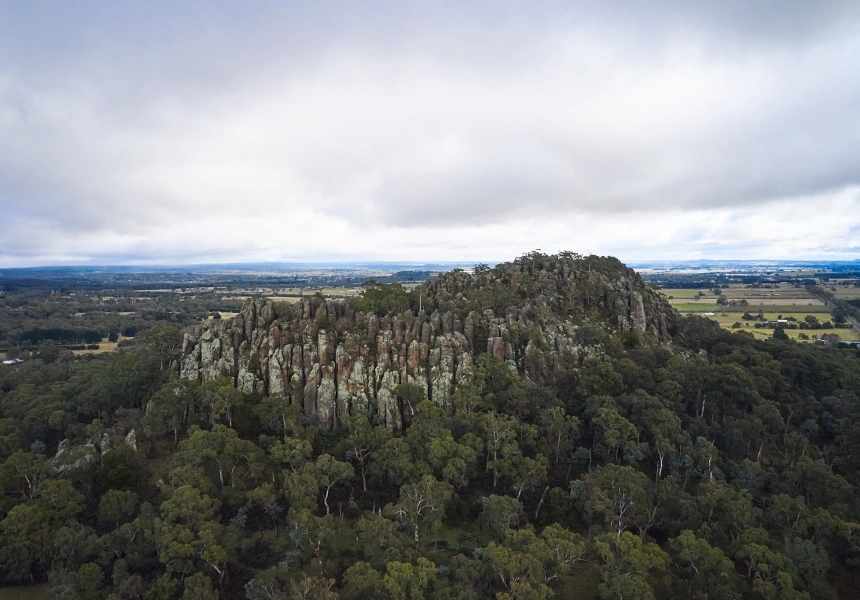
728 320
712 306
743 297
845 290
773 301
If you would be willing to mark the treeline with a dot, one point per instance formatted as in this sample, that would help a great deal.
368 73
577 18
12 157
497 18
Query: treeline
61 336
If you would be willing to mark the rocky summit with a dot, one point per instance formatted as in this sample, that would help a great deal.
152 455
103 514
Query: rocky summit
538 313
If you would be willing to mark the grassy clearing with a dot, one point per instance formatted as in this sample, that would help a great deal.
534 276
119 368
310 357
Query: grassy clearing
224 315
104 346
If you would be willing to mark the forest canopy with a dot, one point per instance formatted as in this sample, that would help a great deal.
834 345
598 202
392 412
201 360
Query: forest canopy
714 466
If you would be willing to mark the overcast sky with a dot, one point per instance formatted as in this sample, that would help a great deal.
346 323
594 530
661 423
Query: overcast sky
185 132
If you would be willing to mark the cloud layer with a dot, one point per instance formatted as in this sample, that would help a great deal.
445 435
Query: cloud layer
427 131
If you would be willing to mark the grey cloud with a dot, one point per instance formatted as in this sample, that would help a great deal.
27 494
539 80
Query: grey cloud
122 119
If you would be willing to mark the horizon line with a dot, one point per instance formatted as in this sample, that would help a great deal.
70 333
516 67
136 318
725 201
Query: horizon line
409 265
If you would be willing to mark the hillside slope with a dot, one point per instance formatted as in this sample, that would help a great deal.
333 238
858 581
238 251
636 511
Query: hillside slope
538 313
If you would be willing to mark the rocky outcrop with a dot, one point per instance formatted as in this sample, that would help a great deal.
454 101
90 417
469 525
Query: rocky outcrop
331 360
72 458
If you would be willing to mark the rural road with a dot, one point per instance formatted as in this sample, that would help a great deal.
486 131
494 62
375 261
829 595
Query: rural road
854 322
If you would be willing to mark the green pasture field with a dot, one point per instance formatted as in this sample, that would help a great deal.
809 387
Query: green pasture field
845 292
777 293
847 335
792 296
780 298
695 301
769 315
728 319
782 301
341 291
785 300
700 307
680 293
694 307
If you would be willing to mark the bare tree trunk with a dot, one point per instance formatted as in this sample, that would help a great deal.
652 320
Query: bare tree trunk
542 496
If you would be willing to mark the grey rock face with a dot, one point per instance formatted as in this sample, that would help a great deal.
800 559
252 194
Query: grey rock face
330 361
72 458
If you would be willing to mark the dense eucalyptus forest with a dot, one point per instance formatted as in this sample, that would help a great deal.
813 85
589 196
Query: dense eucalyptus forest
546 428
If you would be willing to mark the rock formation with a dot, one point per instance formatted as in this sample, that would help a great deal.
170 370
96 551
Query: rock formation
131 440
537 314
72 458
